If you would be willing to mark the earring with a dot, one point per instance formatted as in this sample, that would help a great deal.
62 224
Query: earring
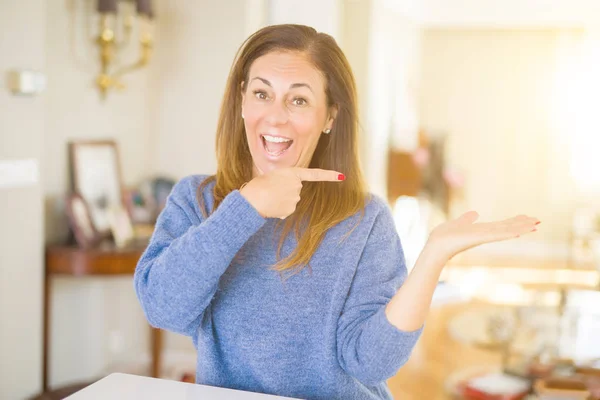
242 116
327 131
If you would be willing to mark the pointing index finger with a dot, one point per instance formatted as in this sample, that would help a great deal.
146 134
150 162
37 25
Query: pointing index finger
319 175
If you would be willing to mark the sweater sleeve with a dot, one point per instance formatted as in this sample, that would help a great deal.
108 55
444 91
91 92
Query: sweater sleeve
178 274
370 348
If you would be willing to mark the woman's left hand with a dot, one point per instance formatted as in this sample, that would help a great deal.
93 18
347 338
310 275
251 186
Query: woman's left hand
455 236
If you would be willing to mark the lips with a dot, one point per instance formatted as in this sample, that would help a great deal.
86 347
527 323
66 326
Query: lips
275 146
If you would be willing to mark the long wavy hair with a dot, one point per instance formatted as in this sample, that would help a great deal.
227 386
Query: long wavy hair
322 204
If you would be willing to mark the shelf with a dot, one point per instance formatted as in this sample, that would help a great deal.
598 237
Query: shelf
106 259
103 260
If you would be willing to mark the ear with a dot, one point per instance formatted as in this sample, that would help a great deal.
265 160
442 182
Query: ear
333 110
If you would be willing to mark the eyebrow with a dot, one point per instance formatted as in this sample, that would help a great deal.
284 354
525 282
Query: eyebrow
292 86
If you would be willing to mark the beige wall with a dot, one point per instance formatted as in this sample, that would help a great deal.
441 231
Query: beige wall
22 134
189 76
491 92
355 36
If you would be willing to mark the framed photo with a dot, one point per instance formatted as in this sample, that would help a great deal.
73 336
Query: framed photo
96 176
120 225
80 221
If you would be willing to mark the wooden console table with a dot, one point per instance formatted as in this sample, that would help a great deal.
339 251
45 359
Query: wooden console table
104 260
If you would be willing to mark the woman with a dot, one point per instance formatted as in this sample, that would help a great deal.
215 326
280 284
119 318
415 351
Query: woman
287 275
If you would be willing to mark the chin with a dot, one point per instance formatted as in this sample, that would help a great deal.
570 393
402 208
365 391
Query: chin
264 168
264 165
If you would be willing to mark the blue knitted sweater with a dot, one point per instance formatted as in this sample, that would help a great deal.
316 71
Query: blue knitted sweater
321 334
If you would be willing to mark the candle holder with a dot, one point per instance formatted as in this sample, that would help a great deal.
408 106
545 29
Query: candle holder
109 44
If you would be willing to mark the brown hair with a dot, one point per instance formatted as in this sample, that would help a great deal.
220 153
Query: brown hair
322 204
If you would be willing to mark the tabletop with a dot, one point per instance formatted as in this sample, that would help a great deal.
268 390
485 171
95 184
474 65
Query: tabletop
119 386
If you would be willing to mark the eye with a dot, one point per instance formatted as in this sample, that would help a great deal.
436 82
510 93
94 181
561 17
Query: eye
261 95
299 101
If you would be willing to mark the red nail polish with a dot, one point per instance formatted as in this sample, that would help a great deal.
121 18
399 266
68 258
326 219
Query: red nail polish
341 177
539 222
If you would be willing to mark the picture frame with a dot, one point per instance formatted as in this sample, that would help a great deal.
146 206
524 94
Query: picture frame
96 176
80 221
120 226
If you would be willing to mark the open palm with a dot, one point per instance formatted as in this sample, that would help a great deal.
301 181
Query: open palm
463 233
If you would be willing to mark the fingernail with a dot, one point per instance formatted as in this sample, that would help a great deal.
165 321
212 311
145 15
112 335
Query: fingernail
539 222
341 177
534 230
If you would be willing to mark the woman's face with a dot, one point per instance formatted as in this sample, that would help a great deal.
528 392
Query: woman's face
285 111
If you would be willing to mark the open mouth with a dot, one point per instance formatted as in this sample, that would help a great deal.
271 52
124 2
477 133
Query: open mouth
275 146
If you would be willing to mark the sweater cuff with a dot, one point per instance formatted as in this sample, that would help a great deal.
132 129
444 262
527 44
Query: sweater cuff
233 223
394 338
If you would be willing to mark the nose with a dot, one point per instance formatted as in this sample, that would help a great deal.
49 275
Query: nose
277 113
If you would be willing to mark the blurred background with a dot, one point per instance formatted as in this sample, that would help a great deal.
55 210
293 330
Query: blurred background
488 105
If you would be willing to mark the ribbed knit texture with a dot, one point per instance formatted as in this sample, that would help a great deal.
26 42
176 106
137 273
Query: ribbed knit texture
320 334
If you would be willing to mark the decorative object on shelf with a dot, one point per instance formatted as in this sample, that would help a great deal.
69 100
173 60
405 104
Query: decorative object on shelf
81 222
161 188
120 225
139 208
113 15
96 176
155 192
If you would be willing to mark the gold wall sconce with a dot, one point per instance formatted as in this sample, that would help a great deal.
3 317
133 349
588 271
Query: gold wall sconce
112 17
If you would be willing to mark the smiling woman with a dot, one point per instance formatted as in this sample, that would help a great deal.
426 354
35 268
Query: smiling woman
326 311
290 102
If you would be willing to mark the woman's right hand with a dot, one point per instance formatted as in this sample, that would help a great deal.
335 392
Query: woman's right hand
276 193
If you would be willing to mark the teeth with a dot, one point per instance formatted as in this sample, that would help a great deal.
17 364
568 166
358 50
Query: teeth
274 139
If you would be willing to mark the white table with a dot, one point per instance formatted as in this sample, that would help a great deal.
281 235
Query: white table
119 386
